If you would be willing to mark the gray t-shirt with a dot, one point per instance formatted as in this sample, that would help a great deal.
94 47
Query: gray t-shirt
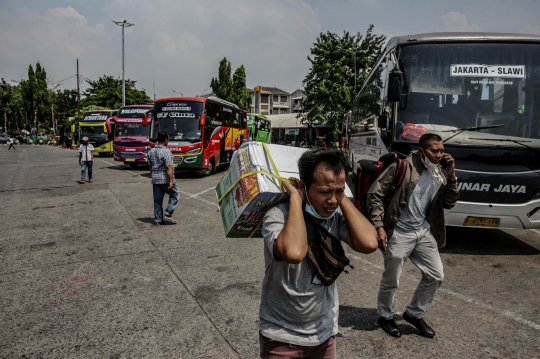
413 217
293 309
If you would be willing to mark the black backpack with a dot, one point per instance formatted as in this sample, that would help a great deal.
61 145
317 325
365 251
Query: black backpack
325 252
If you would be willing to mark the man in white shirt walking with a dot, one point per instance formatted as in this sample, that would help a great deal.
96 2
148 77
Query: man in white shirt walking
11 144
86 159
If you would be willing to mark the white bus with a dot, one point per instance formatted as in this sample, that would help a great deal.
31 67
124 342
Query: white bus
481 93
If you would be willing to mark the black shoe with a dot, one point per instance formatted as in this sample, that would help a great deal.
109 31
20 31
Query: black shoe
389 326
421 325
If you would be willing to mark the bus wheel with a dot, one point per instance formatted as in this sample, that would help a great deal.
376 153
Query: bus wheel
212 167
133 165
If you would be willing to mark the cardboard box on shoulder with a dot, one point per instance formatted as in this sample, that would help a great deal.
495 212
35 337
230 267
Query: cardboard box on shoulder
252 185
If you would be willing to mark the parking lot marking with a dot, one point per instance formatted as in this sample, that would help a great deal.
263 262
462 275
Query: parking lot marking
199 198
133 173
464 298
206 190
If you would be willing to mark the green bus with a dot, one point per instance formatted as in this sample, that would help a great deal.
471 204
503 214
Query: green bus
259 128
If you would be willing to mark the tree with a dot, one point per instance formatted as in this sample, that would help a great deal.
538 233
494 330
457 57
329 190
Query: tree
231 87
36 98
65 105
107 92
330 84
223 84
11 105
239 92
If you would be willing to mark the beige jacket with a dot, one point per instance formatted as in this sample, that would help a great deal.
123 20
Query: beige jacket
445 198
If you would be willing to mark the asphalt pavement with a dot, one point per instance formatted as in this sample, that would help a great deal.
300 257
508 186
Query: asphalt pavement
84 274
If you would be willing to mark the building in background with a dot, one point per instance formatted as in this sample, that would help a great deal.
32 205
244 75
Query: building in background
288 130
297 100
273 101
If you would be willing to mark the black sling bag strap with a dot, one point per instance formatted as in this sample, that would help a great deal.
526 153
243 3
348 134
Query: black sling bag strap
325 252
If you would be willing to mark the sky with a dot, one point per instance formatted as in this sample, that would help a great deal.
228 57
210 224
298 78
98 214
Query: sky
177 44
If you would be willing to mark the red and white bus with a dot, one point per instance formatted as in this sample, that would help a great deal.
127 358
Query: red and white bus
202 131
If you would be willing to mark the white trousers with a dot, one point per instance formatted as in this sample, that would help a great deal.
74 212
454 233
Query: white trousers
421 248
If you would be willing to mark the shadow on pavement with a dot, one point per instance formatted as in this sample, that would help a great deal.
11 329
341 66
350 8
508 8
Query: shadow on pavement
358 318
146 220
480 241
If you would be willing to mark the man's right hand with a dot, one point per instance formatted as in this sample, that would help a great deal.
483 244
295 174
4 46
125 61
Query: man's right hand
171 184
382 238
292 188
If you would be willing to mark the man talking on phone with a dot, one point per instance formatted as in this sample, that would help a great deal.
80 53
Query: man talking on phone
412 226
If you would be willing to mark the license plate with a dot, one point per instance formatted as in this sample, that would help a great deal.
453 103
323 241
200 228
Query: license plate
130 159
482 221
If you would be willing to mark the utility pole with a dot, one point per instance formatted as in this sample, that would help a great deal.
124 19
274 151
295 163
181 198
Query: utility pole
78 99
35 126
154 90
53 122
124 24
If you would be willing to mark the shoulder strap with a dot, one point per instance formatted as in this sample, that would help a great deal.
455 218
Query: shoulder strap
399 175
325 252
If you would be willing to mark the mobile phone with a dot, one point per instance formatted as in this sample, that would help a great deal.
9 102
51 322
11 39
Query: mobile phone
444 163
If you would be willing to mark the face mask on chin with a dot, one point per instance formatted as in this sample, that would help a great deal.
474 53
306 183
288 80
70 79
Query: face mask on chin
433 167
311 210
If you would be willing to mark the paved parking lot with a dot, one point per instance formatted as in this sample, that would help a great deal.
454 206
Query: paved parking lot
84 274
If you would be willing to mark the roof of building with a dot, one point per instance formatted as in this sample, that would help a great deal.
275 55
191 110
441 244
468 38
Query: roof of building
271 90
287 120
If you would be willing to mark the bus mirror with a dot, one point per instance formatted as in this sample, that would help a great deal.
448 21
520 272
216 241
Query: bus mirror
395 79
145 120
202 120
382 122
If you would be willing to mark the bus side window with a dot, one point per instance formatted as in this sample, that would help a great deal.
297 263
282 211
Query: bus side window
226 117
212 112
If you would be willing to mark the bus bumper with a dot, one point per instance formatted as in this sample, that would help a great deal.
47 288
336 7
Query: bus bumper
185 162
104 148
512 216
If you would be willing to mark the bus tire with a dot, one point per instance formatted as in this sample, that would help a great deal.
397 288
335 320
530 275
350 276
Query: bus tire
212 167
134 165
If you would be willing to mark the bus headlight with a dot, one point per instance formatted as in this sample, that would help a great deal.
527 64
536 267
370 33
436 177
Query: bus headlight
103 147
193 151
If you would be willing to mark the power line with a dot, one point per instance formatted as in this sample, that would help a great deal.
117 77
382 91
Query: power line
52 83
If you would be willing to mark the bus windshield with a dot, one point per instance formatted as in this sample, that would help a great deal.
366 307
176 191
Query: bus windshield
131 129
454 86
180 119
93 130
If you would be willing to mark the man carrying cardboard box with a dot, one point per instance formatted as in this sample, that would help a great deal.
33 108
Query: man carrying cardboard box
299 304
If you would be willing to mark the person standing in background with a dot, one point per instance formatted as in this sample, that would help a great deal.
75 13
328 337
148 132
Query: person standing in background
86 159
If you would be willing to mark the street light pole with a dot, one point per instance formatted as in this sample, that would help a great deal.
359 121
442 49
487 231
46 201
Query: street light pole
124 24
181 94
